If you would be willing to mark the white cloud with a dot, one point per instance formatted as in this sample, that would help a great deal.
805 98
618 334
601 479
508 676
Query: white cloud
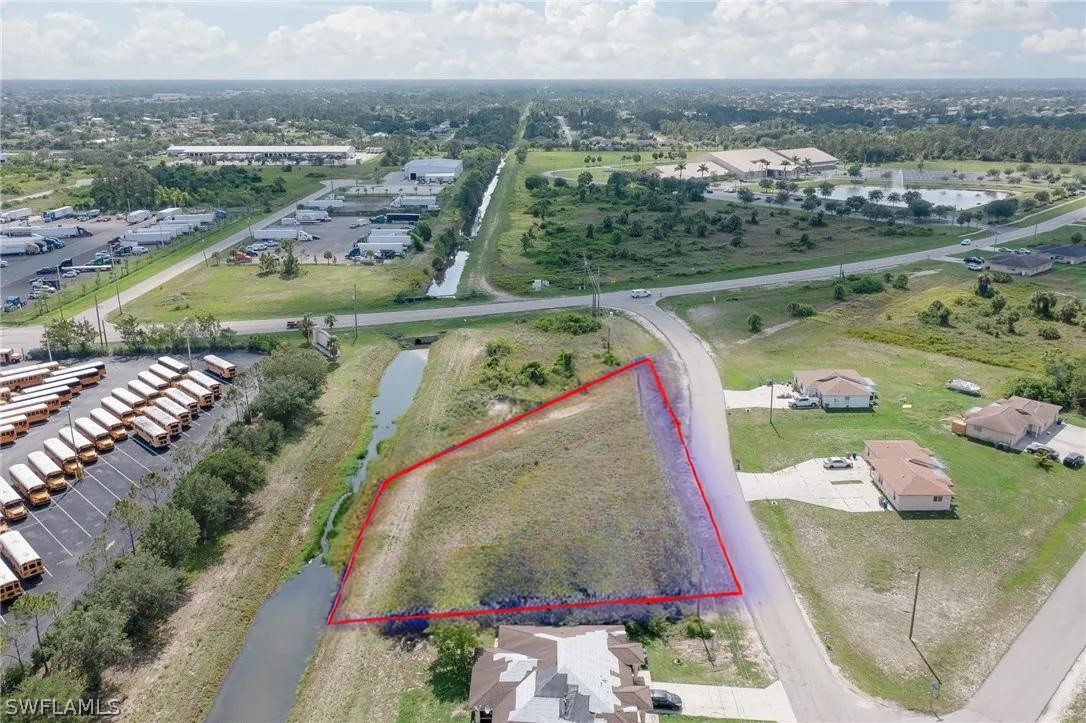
167 36
1068 43
59 44
1000 14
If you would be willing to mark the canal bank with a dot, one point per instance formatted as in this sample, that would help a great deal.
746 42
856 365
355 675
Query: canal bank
261 682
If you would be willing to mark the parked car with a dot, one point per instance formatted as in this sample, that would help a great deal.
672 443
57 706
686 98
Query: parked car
836 463
803 403
314 237
46 270
975 267
356 224
665 702
965 242
1074 460
3 264
640 293
70 274
1037 448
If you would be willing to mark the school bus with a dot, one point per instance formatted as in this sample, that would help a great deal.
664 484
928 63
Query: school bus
143 389
211 384
49 471
162 419
10 356
82 446
7 433
33 411
175 410
128 398
63 455
19 421
220 367
20 556
50 400
29 485
170 363
183 399
103 440
94 371
20 380
5 394
72 381
160 370
47 366
205 397
11 504
153 435
10 588
113 425
118 409
65 389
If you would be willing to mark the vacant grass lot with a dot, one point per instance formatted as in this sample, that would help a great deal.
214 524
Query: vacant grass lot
776 242
1057 210
982 166
204 636
732 655
1019 527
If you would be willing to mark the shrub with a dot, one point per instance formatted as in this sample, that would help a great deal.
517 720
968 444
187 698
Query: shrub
800 310
867 285
839 292
262 439
171 534
693 627
143 589
210 501
901 281
574 323
456 644
754 323
1050 333
244 472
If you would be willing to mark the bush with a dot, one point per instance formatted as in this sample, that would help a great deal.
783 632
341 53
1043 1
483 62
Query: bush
867 285
1050 333
570 323
754 323
171 534
901 281
800 310
694 627
143 590
262 439
209 500
839 292
244 472
456 644
287 400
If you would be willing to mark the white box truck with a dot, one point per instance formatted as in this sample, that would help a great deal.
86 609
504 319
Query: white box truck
58 213
17 246
137 216
150 238
167 213
312 216
179 228
280 234
15 214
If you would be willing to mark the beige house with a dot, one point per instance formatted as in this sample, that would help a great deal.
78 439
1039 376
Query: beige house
909 476
835 388
1011 421
581 674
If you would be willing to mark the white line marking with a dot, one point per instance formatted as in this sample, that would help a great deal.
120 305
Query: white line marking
107 489
51 535
130 481
74 489
141 464
76 523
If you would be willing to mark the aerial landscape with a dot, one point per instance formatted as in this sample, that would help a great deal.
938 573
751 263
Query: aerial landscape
530 362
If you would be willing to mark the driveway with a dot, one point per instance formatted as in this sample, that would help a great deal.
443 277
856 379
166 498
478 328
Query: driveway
759 397
849 490
1065 439
719 701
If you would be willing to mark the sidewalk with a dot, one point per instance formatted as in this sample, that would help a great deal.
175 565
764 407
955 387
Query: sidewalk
719 701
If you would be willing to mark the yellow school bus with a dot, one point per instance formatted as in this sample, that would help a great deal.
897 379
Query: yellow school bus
153 435
20 556
48 470
11 504
112 424
29 485
82 446
103 440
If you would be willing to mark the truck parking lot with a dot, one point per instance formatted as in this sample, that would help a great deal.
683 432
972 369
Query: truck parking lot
336 236
62 532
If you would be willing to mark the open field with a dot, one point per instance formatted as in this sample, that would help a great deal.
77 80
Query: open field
1019 527
967 166
633 245
205 634
1056 210
731 655
21 180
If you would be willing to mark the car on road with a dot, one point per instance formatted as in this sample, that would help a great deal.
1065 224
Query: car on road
1074 460
965 242
46 270
292 324
314 237
1038 448
975 267
356 224
803 403
665 702
973 260
3 264
70 274
640 293
836 463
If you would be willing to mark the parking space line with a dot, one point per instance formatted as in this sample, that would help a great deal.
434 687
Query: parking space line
107 489
76 523
141 464
53 536
74 489
118 472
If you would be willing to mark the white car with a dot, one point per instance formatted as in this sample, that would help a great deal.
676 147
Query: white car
837 463
640 293
965 242
70 274
3 264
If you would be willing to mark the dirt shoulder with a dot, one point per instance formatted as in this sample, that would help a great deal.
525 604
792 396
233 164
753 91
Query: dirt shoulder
204 636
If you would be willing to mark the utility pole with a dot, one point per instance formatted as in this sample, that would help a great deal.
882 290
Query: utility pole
101 326
117 286
916 594
770 402
592 281
354 302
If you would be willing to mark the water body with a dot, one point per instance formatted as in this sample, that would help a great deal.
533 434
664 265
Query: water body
478 222
451 280
262 682
956 197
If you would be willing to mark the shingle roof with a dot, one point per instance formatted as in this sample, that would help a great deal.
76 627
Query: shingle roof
1021 261
907 468
1014 415
1075 250
834 382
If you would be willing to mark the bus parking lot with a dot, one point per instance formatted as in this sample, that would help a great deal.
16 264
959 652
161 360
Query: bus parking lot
62 532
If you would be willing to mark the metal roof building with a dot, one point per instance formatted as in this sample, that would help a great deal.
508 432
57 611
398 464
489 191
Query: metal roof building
277 152
442 170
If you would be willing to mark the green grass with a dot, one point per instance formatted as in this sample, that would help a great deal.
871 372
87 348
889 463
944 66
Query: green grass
20 180
420 705
729 661
1060 235
1057 210
967 166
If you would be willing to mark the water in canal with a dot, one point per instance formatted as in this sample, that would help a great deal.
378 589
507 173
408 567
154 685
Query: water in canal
451 279
262 682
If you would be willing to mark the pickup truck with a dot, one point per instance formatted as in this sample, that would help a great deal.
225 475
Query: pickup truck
803 403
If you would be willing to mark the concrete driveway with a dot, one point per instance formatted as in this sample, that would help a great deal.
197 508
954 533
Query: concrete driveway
759 397
849 490
1065 439
719 701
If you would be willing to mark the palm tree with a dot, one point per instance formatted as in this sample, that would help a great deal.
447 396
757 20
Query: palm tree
333 346
893 197
875 195
785 164
764 164
306 326
703 169
807 163
680 167
329 320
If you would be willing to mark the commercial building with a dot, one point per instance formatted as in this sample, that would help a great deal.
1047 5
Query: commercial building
433 170
754 163
1065 253
809 159
581 674
296 154
909 476
1021 264
1011 421
835 388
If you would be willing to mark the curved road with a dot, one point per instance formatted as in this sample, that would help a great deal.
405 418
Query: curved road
1019 687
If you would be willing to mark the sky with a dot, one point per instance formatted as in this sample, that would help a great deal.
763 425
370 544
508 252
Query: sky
556 39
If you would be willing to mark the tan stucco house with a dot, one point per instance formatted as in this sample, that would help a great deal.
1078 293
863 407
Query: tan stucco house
909 476
835 388
1011 421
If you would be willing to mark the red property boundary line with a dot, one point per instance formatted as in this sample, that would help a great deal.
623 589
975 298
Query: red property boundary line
555 606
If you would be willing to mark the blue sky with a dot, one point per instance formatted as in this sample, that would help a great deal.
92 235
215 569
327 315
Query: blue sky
567 39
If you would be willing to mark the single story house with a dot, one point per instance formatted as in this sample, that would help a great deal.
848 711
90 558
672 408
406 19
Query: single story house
1009 421
1065 253
835 388
1021 264
909 476
433 170
582 674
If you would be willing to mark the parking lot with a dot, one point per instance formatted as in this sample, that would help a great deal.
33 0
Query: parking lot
393 184
336 236
62 532
15 279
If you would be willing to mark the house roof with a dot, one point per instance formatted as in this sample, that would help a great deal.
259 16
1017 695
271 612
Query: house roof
1023 261
1073 250
1014 415
816 155
907 468
449 165
835 382
577 673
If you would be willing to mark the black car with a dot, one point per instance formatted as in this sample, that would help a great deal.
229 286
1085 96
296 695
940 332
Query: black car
665 702
46 270
1074 460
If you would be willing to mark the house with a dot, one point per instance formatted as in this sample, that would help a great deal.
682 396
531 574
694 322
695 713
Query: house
582 674
433 170
909 476
1010 421
1021 264
835 388
1065 253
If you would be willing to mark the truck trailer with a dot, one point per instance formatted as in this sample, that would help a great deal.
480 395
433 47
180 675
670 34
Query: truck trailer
58 213
167 213
151 237
312 216
322 204
280 234
395 218
18 247
197 218
137 216
15 214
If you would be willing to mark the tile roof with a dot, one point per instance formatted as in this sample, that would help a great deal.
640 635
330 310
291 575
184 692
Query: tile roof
907 468
1014 415
835 382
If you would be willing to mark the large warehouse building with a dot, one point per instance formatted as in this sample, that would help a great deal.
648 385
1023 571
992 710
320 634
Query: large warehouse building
433 170
263 153
750 163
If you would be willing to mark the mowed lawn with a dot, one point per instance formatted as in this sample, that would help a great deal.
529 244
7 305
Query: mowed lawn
241 292
1019 527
